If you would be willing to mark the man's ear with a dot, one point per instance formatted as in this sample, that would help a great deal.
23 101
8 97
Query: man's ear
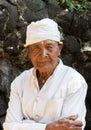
60 47
27 49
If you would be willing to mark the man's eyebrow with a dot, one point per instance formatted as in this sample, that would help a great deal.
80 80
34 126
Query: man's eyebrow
50 42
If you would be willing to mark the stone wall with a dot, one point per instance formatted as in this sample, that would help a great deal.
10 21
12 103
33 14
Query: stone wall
15 15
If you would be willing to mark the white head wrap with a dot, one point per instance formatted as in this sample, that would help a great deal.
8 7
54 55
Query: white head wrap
43 30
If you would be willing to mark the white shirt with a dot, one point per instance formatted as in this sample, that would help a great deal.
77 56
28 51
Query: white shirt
62 95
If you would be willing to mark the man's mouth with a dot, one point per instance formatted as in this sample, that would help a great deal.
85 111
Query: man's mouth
43 62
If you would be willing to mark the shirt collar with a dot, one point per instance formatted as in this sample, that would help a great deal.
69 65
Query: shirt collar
60 64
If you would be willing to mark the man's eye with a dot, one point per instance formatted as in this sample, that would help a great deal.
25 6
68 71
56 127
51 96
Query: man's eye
34 48
49 47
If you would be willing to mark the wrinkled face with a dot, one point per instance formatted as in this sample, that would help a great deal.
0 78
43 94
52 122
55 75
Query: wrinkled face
44 55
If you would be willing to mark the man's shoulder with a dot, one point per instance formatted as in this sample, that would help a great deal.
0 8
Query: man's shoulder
74 74
22 77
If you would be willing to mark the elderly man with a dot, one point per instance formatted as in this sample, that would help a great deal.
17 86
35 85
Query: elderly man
49 96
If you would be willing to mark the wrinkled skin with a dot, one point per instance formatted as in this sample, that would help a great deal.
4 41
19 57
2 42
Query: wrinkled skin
44 55
69 123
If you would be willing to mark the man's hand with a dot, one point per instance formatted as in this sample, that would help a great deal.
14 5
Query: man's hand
69 123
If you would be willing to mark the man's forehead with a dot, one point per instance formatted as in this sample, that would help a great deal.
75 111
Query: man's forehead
45 42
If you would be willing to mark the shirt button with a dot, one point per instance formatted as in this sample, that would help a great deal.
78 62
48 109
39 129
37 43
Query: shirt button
37 117
37 99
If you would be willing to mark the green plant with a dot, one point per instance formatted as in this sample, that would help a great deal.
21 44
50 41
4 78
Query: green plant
74 5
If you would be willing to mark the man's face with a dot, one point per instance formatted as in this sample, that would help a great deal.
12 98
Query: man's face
44 55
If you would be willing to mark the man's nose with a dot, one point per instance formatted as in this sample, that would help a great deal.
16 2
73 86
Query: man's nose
44 52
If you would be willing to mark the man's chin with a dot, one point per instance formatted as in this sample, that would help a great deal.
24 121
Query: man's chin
44 68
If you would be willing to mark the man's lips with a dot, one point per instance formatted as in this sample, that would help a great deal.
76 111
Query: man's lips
43 62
